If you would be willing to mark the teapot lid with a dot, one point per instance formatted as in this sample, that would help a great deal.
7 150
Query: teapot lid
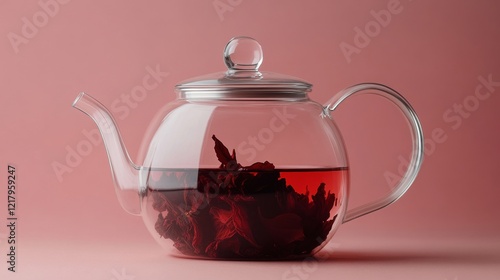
243 56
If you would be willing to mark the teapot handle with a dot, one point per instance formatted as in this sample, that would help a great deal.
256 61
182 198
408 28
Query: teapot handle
417 136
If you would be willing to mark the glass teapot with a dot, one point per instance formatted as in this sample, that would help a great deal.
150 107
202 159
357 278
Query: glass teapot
243 165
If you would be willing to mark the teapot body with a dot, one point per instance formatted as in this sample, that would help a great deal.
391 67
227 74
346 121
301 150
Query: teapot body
243 165
258 179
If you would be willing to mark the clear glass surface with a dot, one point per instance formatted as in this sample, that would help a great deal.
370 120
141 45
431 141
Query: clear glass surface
417 143
244 166
281 196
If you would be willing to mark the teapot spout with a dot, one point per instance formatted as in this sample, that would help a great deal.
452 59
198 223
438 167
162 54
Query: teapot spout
125 172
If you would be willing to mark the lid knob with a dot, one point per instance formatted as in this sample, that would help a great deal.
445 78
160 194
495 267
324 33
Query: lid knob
242 53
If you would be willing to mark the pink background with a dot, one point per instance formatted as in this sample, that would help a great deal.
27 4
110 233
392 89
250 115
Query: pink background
72 227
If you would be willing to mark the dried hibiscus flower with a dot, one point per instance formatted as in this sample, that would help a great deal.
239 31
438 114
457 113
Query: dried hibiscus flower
240 211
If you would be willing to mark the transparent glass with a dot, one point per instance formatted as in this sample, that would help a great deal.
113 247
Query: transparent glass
125 173
417 143
245 166
280 191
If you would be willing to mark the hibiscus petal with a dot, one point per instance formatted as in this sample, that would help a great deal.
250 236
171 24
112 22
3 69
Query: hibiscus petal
284 229
221 151
242 225
260 166
220 215
225 248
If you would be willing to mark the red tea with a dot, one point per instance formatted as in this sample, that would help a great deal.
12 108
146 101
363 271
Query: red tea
266 214
252 212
